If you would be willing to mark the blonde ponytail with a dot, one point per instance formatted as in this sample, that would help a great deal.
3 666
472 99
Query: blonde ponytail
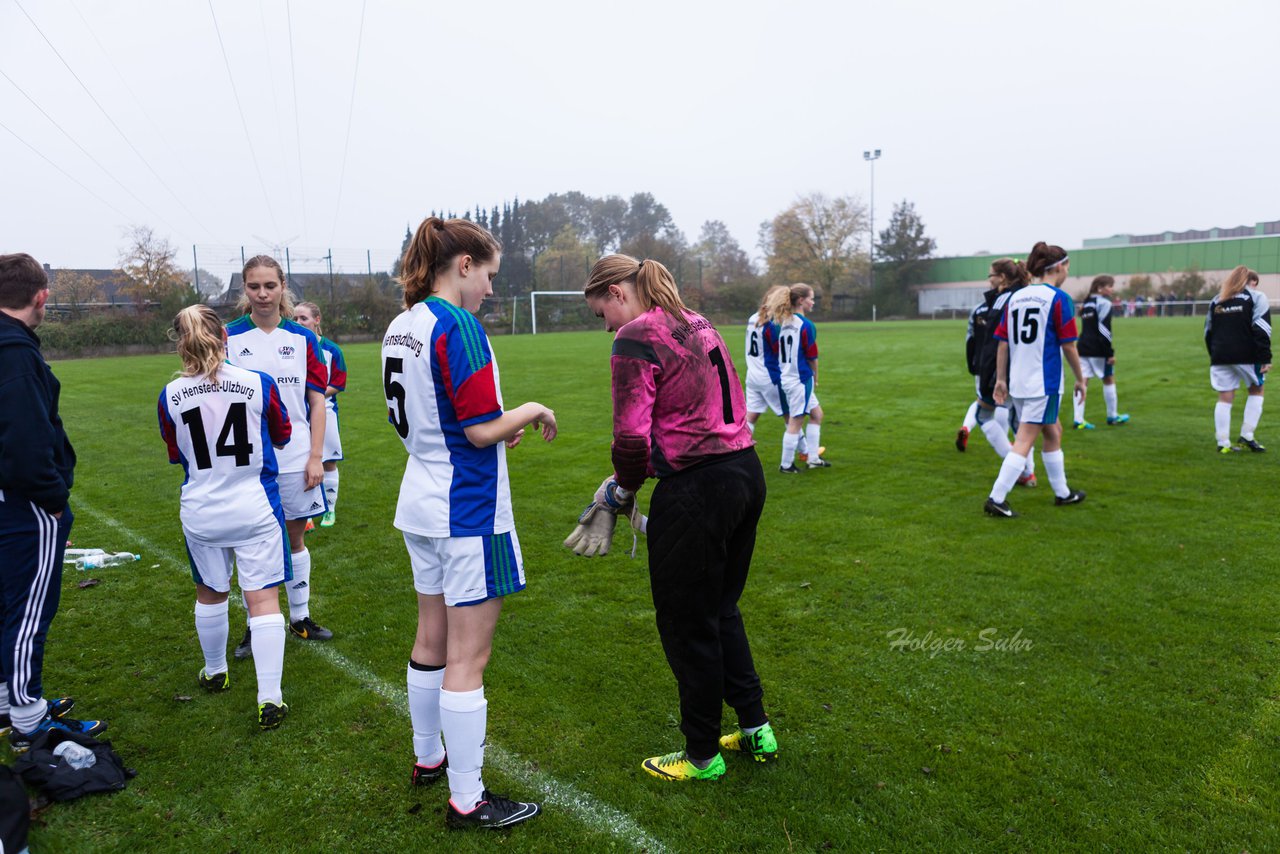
198 331
654 284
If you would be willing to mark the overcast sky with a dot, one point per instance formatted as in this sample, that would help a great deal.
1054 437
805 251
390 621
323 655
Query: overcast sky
1004 122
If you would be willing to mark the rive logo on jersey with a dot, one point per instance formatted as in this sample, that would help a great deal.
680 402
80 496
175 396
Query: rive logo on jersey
246 352
286 352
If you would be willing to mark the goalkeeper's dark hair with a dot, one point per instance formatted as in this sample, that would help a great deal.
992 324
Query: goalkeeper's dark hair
653 282
1100 282
434 245
198 331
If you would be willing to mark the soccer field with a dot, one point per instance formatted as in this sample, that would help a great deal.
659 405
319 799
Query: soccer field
1094 677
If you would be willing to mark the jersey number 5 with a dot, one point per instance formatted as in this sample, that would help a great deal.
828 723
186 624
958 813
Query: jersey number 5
1027 327
236 427
395 396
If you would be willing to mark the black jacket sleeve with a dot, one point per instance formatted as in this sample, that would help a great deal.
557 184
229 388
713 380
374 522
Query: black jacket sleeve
28 438
1262 329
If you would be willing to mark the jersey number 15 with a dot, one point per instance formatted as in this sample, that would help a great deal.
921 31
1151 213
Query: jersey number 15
1027 326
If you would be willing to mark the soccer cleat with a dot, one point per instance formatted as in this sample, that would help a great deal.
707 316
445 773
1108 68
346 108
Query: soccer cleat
21 741
791 469
676 767
58 708
311 526
819 463
1253 445
802 457
962 439
1073 497
998 508
270 715
1119 419
327 520
492 811
1084 425
1228 449
761 745
245 648
215 682
1027 480
309 629
426 774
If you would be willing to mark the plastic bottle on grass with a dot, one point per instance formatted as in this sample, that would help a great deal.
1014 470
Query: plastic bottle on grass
77 755
99 561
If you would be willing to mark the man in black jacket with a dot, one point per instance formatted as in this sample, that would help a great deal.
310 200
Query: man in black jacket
36 465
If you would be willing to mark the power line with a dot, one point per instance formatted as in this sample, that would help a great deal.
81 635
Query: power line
123 215
342 175
86 153
104 112
271 81
244 124
297 122
141 107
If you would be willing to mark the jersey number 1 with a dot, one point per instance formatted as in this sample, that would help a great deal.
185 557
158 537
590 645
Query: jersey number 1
717 359
236 427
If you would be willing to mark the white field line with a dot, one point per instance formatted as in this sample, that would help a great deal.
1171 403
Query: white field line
557 793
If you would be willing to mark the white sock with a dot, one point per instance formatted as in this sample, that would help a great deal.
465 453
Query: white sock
463 715
1031 462
27 717
971 416
1252 413
300 587
998 437
424 713
331 488
1077 403
1009 471
1002 417
211 629
268 655
1109 395
1222 422
811 433
1057 471
789 443
802 447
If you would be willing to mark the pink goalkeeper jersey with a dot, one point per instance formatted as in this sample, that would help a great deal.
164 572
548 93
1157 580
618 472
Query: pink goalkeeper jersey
676 397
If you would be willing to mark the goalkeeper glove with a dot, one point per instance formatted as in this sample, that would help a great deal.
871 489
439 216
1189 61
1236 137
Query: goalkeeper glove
594 533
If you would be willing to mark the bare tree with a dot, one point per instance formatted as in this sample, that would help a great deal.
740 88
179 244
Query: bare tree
73 288
147 262
816 240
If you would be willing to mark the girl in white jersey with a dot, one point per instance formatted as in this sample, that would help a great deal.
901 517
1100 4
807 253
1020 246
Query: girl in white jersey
266 339
796 350
1036 329
308 314
762 389
443 398
214 419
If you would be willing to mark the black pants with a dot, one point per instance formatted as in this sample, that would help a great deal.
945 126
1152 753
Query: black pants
702 531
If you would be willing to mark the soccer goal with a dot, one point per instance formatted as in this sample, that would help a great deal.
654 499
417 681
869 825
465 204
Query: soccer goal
554 311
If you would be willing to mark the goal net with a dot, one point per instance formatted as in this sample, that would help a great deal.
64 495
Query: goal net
560 311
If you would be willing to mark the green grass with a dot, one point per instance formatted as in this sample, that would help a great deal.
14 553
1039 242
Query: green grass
1144 715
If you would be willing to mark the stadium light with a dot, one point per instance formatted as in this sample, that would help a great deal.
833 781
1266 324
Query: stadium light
871 157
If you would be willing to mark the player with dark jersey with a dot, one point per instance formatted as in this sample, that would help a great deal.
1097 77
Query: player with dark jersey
1006 277
1237 331
678 415
1097 355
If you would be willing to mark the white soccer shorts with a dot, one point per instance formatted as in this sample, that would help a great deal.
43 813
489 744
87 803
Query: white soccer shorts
467 570
1231 377
798 399
332 441
1037 410
259 565
761 396
298 501
1095 366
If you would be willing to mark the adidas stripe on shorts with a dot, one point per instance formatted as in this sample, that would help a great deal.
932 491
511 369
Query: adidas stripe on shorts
258 565
297 501
467 570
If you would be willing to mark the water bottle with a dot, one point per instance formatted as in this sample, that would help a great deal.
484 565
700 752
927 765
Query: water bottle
99 561
73 555
77 755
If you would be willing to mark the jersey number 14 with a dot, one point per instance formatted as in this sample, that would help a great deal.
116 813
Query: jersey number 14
235 428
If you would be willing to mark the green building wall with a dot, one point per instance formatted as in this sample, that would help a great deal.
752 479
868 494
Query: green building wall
1259 253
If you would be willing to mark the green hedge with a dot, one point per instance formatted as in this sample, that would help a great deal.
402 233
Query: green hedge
90 333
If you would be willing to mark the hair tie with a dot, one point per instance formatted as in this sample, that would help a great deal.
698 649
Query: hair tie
642 260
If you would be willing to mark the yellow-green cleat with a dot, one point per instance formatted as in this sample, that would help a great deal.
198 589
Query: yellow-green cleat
214 682
327 520
676 767
270 715
761 745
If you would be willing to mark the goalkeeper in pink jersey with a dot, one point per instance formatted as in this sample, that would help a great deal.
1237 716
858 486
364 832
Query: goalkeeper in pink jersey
679 416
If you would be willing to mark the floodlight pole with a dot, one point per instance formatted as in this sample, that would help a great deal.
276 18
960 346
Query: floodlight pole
871 157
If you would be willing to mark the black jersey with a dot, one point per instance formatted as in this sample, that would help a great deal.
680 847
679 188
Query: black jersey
987 356
1095 327
1237 331
979 331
